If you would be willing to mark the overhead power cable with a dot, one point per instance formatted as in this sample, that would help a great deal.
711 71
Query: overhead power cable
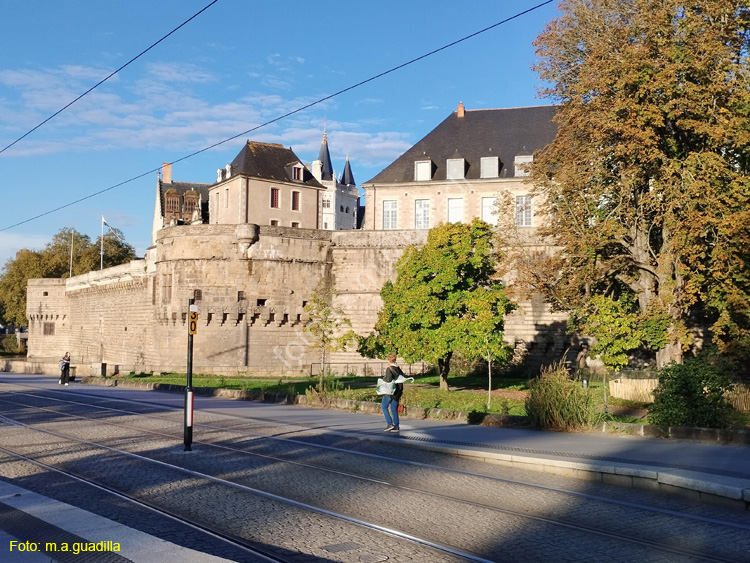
138 56
280 117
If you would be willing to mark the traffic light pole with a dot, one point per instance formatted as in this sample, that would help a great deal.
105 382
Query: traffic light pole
192 329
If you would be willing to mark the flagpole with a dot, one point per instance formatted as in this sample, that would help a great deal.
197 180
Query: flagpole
71 255
101 252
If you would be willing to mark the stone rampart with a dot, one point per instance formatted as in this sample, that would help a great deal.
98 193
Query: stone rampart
251 285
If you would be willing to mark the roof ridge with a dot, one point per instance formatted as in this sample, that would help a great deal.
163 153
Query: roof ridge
267 144
517 107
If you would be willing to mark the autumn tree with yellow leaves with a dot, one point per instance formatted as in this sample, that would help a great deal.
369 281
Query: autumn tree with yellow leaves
646 185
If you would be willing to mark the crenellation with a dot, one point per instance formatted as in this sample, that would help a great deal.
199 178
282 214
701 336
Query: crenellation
251 307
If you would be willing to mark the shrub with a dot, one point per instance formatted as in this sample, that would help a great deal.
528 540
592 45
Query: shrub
9 343
556 402
692 394
475 417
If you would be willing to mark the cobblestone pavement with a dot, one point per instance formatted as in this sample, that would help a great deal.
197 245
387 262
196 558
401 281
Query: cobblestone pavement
497 513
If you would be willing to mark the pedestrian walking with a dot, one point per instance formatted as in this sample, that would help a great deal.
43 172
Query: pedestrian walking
389 404
65 369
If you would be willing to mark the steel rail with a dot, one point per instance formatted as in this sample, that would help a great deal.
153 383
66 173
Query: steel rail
217 534
242 432
264 494
520 514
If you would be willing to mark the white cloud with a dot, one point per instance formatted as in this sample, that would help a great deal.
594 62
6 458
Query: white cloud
179 72
159 112
275 83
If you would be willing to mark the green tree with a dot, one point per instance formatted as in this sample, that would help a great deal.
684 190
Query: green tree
326 323
116 252
614 324
16 273
483 336
54 262
646 185
693 394
445 299
57 254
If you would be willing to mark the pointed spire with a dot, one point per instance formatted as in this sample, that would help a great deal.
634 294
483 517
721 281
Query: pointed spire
325 159
347 178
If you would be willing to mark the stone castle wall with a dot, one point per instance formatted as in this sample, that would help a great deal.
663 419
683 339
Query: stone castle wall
250 284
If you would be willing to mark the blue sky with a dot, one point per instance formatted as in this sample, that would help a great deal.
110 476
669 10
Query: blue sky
237 65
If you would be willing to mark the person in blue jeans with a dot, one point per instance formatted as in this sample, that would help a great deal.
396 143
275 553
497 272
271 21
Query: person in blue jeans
390 402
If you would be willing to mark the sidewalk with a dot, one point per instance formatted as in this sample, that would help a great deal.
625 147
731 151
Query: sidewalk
709 472
704 471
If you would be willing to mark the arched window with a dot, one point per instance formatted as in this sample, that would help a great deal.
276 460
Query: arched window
190 200
171 205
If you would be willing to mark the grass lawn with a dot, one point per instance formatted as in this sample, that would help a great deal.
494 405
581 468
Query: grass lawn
467 393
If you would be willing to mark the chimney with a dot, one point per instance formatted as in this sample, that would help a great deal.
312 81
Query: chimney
460 111
166 173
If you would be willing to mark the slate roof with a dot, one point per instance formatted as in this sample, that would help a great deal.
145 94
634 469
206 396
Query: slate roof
325 159
347 178
486 132
181 188
270 161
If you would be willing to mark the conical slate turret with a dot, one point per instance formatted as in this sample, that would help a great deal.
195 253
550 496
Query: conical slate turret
347 178
325 159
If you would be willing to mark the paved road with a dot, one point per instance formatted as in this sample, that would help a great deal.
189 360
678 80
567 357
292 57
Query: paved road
425 500
704 468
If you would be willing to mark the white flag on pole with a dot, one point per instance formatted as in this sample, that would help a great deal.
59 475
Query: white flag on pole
104 222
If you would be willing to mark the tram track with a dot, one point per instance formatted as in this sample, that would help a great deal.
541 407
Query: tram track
661 546
253 552
197 478
245 433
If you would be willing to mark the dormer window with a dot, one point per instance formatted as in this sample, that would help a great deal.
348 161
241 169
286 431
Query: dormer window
455 169
171 205
519 162
297 173
422 170
490 167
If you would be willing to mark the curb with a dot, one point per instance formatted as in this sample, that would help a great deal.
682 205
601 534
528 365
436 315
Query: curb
706 488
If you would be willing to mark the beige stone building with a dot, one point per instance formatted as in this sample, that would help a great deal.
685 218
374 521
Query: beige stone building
250 249
266 184
459 169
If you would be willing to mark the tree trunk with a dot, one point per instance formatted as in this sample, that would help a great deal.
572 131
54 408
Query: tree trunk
322 367
444 365
672 352
489 381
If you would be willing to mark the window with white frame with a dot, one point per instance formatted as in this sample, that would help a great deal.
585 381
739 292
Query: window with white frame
422 170
489 213
523 210
389 214
422 214
455 169
326 202
226 198
455 210
490 167
519 162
